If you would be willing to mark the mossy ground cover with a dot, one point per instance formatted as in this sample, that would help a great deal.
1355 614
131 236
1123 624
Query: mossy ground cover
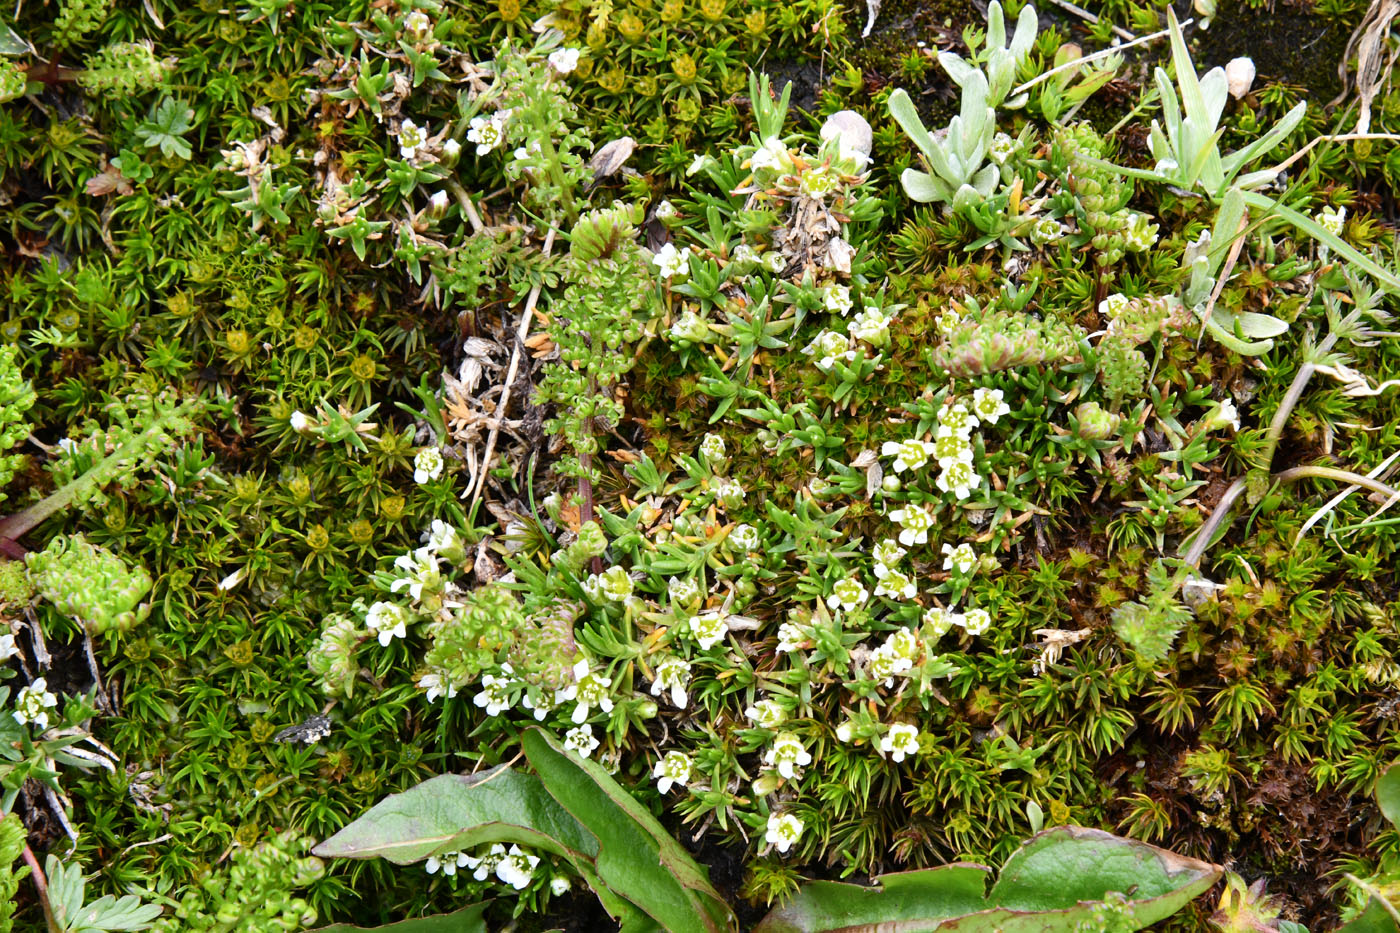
855 520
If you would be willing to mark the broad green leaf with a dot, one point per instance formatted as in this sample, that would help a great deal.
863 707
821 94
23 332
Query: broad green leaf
904 113
921 186
1388 793
1384 277
1059 868
11 43
1256 326
466 920
636 857
458 811
1374 919
904 902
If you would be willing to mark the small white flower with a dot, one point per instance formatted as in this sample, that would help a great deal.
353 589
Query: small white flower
958 478
989 406
712 449
8 648
908 455
68 445
1140 234
671 261
589 689
666 210
540 709
452 150
483 867
849 594
683 591
886 554
783 830
443 537
729 492
388 621
427 465
884 663
699 163
745 538
962 558
896 585
1222 416
564 60
1002 148
1046 231
690 327
901 739
518 867
828 347
772 154
447 862
902 644
791 637
33 703
495 693
672 770
418 572
411 138
976 621
949 447
417 24
614 584
436 687
580 740
939 621
487 132
1114 305
787 754
672 673
558 885
915 522
774 261
1332 219
766 714
708 629
954 418
838 300
299 422
870 325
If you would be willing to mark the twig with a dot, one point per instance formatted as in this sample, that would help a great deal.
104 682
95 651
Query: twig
1091 19
521 333
41 884
1093 57
464 201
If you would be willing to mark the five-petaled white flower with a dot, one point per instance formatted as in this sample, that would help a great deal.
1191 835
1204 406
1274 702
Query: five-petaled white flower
787 754
672 770
938 621
958 478
976 621
483 867
838 299
849 594
671 261
1332 219
411 138
447 862
589 689
772 154
896 584
745 537
901 739
580 739
427 465
886 554
915 522
783 830
908 455
563 60
766 714
672 673
487 132
791 637
708 629
988 405
418 571
961 558
495 693
517 868
388 621
954 418
436 686
33 703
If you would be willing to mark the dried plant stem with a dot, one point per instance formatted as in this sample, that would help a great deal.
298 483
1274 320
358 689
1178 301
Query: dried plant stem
521 333
41 884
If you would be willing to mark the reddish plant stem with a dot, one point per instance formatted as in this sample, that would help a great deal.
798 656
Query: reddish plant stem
41 884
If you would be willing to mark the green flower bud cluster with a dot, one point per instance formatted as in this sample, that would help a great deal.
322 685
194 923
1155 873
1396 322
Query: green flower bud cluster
1102 194
254 895
332 658
471 640
13 81
16 398
12 839
1141 319
1122 367
988 342
544 652
1094 423
77 18
125 69
15 586
591 543
91 584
